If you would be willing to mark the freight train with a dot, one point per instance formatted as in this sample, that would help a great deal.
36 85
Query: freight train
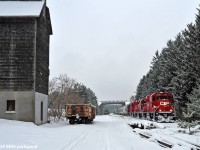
158 106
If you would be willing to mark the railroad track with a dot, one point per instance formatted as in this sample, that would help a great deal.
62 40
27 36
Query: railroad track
161 143
197 147
165 144
144 135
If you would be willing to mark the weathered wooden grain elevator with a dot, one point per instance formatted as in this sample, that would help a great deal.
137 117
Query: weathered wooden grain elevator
25 29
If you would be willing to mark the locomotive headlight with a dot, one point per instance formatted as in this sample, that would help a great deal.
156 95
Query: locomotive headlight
170 110
160 110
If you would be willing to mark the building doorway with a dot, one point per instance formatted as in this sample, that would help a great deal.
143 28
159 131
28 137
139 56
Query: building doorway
41 115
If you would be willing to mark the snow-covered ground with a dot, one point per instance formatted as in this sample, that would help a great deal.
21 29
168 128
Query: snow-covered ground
110 132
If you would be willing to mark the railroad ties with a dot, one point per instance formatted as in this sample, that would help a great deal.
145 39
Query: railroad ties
197 147
144 135
161 143
164 144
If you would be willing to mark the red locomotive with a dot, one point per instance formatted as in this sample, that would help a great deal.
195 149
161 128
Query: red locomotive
158 106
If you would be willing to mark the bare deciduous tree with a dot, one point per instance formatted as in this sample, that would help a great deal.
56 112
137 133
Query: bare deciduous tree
62 91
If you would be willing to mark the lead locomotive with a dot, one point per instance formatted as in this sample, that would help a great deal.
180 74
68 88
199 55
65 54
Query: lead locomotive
158 106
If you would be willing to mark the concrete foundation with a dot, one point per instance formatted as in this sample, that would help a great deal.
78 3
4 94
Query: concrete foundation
41 108
27 106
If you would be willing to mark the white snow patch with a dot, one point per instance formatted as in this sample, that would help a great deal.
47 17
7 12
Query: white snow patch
20 8
109 132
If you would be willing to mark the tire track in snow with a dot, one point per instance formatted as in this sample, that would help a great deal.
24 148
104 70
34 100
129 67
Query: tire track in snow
106 142
71 145
112 137
106 134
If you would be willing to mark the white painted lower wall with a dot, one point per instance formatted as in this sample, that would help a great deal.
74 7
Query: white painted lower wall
24 105
38 99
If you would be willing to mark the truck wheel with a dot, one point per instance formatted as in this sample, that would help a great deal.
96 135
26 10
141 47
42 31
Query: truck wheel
86 121
71 121
83 120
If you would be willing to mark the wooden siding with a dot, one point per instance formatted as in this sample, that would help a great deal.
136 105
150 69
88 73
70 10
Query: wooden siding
42 54
16 54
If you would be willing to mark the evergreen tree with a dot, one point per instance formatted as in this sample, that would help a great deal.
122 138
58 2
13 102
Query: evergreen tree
140 91
194 98
154 73
176 68
192 111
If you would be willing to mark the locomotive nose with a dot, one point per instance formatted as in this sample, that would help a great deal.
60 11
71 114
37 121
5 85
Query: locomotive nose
165 116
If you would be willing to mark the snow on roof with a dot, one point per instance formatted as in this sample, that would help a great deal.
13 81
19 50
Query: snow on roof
99 103
20 8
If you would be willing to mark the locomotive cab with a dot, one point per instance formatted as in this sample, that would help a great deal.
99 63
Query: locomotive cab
163 107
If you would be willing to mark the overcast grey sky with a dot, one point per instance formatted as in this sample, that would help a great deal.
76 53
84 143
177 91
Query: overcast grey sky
108 44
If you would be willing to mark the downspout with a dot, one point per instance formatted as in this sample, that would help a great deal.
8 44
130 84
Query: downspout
34 75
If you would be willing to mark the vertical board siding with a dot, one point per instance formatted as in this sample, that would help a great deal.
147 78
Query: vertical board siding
16 54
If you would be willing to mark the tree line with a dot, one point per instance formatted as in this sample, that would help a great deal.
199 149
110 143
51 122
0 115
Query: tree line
176 68
66 90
